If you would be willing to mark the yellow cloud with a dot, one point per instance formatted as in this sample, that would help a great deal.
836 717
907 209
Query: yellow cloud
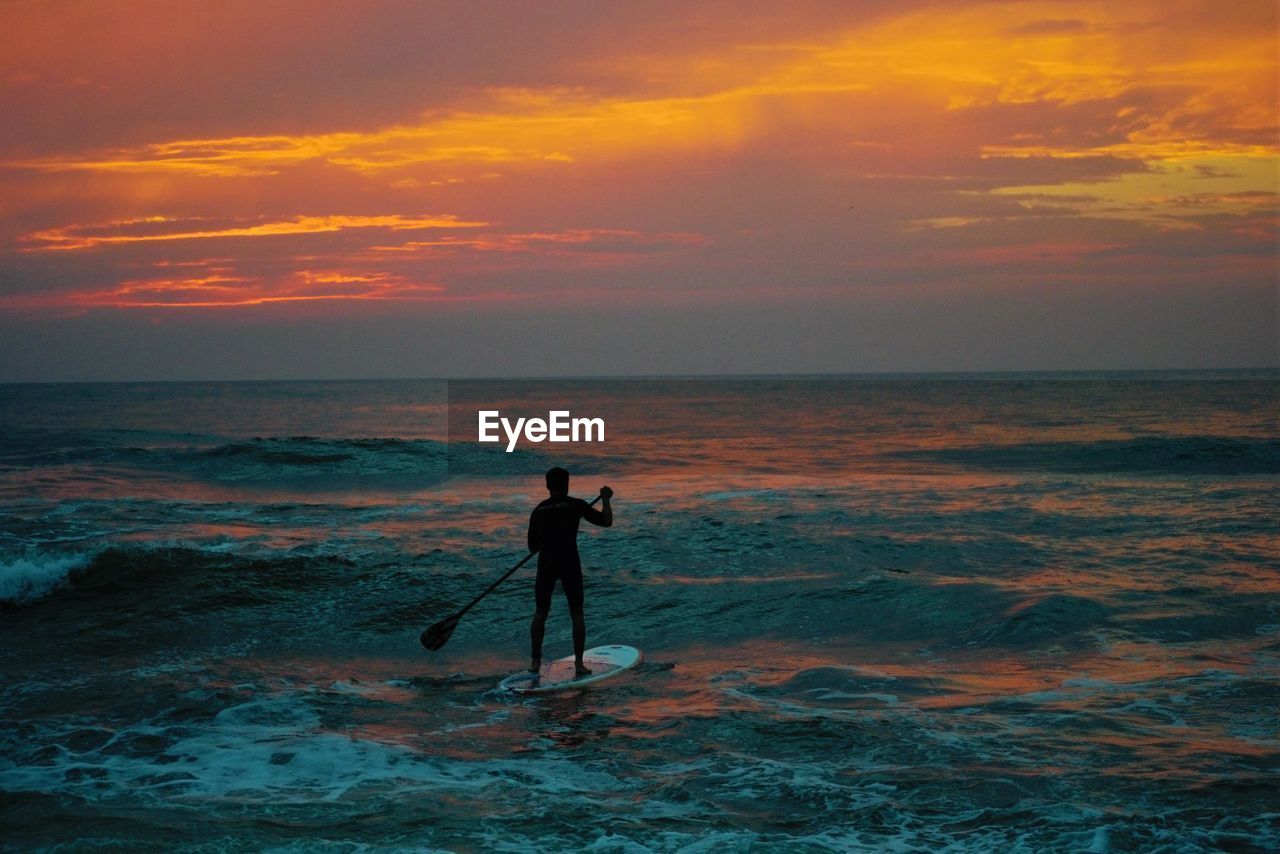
1172 195
1209 89
162 228
1187 97
218 291
599 240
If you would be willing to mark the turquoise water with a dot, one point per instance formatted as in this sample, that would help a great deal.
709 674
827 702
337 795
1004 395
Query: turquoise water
1024 612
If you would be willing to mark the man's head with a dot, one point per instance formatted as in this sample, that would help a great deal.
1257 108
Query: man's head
557 480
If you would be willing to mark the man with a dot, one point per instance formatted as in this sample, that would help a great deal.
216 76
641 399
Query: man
553 533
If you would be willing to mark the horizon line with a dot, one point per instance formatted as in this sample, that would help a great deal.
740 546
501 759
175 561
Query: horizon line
980 373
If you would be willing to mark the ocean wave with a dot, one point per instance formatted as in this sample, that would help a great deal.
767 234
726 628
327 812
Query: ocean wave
295 461
273 752
1199 455
301 459
1055 618
33 576
164 578
309 458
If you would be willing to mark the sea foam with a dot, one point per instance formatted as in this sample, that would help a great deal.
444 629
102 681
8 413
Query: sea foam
33 576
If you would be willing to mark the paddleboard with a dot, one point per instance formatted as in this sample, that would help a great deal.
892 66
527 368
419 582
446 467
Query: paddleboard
604 661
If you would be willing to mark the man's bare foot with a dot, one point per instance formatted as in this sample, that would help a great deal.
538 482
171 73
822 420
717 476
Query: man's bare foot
535 665
580 669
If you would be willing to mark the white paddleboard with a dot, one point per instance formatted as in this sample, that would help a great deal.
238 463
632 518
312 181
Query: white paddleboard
604 661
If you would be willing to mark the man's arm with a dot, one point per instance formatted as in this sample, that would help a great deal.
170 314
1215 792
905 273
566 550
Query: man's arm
535 541
604 516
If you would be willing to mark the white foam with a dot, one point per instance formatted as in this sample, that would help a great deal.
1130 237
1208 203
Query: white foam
33 576
276 751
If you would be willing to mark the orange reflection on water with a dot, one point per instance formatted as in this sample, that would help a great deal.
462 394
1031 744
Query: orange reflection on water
733 579
365 676
385 700
692 687
1167 741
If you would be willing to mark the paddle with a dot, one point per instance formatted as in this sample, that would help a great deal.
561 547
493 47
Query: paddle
438 634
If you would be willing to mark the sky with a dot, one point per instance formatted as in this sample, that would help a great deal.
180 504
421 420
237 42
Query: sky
322 189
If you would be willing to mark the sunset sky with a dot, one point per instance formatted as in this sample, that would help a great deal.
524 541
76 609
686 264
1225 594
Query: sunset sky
306 188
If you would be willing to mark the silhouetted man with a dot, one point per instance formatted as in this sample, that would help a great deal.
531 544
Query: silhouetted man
553 533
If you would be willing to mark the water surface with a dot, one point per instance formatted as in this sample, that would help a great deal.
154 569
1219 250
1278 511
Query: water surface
915 612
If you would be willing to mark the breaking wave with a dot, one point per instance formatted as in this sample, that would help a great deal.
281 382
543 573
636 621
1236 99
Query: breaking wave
151 578
1181 455
308 457
33 576
297 461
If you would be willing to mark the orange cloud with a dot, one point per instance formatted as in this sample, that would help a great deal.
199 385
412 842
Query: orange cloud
221 291
155 228
1205 95
518 126
602 241
1130 120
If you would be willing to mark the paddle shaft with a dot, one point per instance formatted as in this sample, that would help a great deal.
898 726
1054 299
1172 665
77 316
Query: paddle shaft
507 575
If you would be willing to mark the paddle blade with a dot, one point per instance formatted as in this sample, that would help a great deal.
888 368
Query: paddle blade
438 635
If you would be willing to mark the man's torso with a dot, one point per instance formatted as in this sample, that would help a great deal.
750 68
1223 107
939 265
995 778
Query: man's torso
556 521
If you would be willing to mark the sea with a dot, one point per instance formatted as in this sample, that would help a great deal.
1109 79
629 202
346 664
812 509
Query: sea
988 612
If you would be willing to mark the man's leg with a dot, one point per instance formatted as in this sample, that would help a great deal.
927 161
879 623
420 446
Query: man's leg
573 591
543 584
536 630
579 642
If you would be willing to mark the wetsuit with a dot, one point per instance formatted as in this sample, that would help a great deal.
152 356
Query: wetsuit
553 533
